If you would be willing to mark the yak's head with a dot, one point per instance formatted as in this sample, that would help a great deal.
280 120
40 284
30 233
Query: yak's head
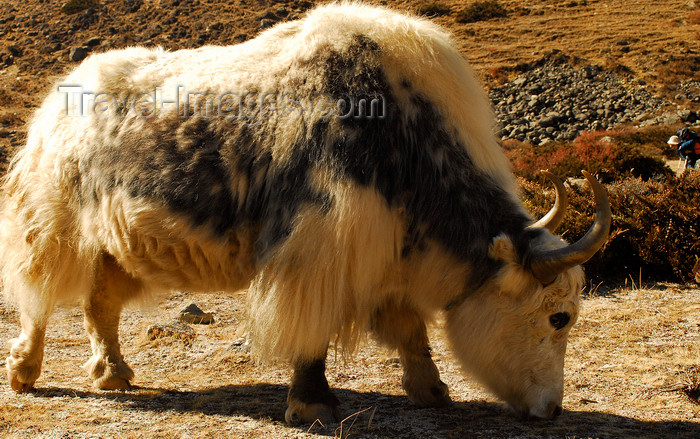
511 333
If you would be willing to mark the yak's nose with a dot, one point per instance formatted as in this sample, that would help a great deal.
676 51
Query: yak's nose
557 411
551 411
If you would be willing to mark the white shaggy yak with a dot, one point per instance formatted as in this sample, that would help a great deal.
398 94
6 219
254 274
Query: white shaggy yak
341 167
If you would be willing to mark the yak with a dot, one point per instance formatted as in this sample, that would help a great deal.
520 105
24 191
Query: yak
342 168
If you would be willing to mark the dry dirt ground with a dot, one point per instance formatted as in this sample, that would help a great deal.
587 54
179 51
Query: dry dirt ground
631 355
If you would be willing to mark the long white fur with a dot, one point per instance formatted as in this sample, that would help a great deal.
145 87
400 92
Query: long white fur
61 258
335 268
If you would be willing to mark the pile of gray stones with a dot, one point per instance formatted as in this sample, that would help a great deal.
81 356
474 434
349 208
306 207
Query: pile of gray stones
553 100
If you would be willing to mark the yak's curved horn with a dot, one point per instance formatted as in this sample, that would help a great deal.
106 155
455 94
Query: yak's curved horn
556 214
545 265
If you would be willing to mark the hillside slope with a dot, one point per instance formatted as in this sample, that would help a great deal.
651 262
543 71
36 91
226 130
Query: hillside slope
651 44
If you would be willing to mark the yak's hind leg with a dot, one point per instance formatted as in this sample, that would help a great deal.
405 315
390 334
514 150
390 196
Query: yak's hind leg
310 397
400 327
113 287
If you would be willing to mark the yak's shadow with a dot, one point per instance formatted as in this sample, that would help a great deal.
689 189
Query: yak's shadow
376 414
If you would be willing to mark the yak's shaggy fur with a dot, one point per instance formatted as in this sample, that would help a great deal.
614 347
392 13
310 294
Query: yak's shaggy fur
331 222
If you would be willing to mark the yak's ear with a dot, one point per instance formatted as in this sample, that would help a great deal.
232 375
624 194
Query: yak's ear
502 249
514 279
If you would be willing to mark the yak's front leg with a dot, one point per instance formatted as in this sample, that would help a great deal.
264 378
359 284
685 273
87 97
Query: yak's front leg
400 327
310 397
27 351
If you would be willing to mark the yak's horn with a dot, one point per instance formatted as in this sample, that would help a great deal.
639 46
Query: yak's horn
545 265
556 214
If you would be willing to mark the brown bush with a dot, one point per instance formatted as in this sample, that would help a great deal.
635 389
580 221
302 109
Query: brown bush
481 11
694 17
75 6
656 225
677 68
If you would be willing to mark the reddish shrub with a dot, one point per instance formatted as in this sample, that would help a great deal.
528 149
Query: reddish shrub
694 17
609 154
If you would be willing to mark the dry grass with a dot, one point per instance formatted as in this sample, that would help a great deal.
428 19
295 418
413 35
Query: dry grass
433 9
631 371
592 31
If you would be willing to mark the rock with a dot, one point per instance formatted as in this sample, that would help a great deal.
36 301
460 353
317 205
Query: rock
214 27
554 93
578 183
241 38
269 15
266 22
671 119
193 314
15 51
92 42
174 329
154 31
77 54
6 60
534 88
268 19
240 345
688 116
75 6
132 5
550 120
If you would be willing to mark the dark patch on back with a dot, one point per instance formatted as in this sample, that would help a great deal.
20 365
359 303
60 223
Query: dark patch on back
273 202
191 164
179 164
451 202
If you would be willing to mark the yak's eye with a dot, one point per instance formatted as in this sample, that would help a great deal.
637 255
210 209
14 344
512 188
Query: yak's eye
559 320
